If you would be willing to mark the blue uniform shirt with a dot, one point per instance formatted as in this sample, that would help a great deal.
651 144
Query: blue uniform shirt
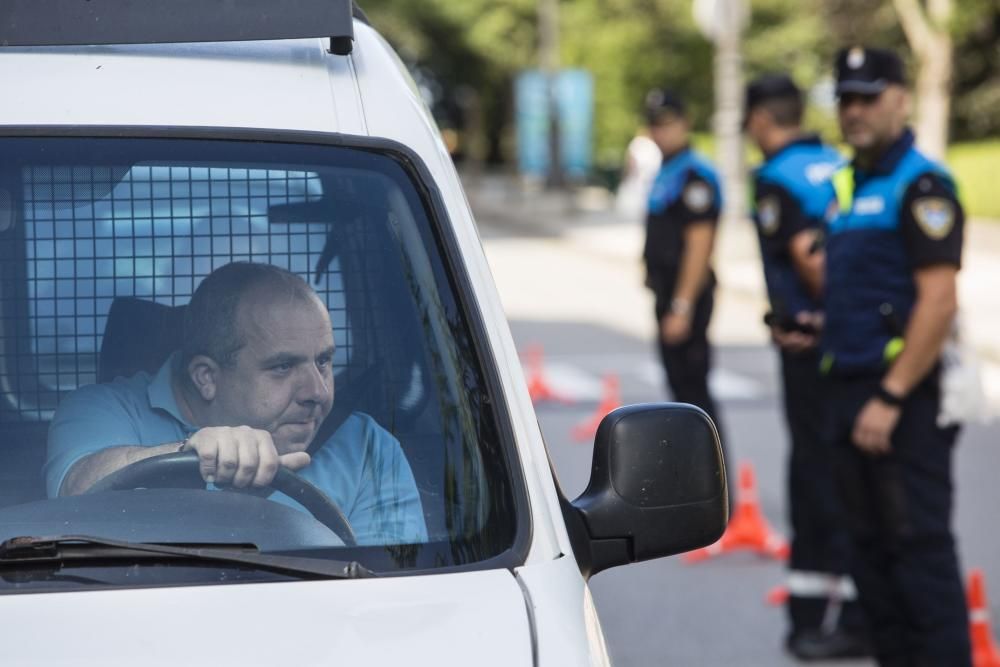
686 190
900 215
361 467
791 194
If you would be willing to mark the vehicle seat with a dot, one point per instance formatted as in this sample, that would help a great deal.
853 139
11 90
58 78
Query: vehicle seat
138 336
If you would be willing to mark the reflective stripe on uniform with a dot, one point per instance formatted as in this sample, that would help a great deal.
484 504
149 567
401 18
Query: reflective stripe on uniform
893 349
826 363
804 584
843 185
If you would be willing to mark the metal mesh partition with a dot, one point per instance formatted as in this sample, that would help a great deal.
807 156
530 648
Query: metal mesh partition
84 236
90 224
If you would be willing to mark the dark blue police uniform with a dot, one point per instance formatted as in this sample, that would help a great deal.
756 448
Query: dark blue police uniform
792 194
897 217
685 191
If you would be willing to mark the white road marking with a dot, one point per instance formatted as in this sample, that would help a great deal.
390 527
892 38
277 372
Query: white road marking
573 382
724 384
576 382
727 385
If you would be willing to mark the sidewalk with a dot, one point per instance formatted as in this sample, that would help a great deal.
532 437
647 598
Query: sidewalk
589 224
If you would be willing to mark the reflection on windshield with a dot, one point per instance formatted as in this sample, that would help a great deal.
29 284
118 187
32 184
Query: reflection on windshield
272 307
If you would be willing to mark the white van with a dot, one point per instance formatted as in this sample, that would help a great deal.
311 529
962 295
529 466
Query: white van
145 144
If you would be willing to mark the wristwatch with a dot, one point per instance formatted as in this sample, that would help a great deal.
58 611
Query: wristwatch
889 398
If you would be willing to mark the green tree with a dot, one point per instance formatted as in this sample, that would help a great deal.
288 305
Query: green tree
475 48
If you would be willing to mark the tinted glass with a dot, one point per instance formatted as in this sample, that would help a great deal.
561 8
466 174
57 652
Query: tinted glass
355 351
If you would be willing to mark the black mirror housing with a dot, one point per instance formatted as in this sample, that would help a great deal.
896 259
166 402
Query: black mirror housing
657 487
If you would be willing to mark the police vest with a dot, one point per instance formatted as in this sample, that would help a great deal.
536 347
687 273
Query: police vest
870 289
803 169
665 235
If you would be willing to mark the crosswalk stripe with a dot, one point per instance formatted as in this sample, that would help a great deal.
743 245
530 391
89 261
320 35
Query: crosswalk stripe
724 384
727 385
573 382
578 384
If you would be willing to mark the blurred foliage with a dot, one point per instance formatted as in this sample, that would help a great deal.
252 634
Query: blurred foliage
974 165
470 51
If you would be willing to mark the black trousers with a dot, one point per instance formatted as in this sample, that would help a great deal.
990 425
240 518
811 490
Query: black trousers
820 544
687 364
899 507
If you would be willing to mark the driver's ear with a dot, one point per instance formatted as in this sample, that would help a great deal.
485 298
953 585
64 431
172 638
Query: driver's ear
204 374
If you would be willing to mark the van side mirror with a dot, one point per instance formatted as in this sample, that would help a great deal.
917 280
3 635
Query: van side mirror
657 487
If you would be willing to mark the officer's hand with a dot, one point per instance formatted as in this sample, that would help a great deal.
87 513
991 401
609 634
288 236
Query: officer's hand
874 426
675 328
793 341
240 456
799 341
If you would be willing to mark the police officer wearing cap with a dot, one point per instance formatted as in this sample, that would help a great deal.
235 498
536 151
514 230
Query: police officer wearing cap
791 199
893 252
683 210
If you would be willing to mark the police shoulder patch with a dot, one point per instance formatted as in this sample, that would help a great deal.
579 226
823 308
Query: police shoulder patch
935 215
698 196
769 214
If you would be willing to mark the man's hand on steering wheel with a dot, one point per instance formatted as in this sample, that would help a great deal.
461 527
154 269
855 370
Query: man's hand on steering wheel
240 456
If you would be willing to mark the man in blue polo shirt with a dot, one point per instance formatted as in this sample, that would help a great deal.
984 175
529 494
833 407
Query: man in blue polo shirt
248 390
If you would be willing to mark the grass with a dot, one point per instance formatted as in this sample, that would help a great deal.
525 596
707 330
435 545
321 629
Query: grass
976 166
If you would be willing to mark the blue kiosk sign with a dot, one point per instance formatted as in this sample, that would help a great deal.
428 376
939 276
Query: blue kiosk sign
574 103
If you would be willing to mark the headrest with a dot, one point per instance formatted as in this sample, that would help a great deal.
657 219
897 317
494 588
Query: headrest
139 336
6 210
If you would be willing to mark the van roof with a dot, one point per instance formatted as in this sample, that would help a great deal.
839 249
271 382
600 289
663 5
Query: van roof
294 84
290 84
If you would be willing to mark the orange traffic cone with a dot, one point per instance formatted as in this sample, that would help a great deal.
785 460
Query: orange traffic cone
747 529
984 649
778 596
538 387
587 429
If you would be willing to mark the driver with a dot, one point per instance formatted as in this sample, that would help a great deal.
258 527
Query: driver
247 390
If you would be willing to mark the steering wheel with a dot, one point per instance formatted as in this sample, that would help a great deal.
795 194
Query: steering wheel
179 470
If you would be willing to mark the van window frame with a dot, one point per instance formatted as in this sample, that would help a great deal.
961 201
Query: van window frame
448 250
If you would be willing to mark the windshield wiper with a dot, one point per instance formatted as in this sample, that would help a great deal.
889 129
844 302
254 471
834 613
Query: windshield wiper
41 550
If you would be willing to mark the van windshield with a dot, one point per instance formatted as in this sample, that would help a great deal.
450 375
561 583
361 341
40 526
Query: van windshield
210 342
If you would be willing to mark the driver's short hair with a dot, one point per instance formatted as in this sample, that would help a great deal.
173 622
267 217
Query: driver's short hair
210 319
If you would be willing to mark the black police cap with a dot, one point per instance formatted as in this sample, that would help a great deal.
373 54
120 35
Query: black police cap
770 87
867 71
661 102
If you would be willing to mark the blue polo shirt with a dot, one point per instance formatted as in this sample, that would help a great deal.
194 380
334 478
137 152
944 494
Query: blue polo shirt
361 467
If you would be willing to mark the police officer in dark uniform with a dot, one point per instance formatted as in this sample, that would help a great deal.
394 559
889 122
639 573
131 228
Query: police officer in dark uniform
684 206
792 197
893 252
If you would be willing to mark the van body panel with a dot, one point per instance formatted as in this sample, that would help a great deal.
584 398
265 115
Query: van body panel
287 84
565 619
455 619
